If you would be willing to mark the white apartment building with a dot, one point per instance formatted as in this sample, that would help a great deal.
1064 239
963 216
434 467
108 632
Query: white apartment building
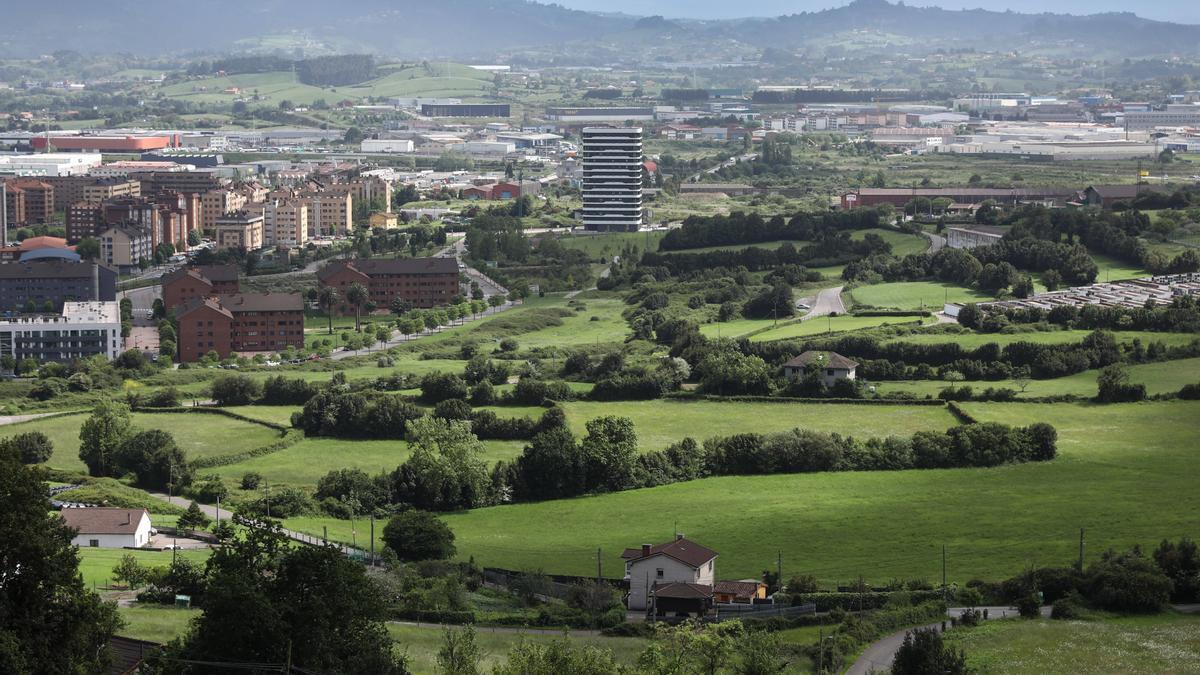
285 223
612 178
83 329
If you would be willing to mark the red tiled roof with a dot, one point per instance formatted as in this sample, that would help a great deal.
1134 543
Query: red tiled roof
103 520
824 359
681 549
739 588
683 591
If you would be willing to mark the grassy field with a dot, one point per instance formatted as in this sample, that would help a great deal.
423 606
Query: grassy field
971 340
1165 377
1112 269
661 423
902 243
198 435
599 322
96 564
422 644
304 463
1125 472
1168 643
915 295
735 328
612 243
836 324
156 623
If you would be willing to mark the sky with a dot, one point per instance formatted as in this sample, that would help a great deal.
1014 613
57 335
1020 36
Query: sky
1181 11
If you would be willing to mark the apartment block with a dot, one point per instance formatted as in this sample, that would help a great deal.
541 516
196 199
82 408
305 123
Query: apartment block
39 281
241 230
612 178
69 190
181 286
425 282
37 198
124 246
285 223
249 322
81 330
329 213
216 203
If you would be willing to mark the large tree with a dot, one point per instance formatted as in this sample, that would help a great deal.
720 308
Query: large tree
101 435
357 295
267 601
418 535
49 622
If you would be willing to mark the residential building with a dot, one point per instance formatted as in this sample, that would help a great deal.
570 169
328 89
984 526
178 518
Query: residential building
216 203
285 223
73 189
81 330
240 230
54 280
743 592
248 322
612 178
190 283
84 219
425 282
102 527
329 213
199 182
680 566
973 236
125 245
382 220
830 366
366 190
14 203
38 200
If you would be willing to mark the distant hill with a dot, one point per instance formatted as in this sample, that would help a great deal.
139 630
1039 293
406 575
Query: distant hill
494 29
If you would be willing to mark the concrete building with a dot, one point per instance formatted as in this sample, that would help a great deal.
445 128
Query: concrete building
200 182
54 280
650 568
425 282
612 178
183 285
125 245
81 330
567 116
98 143
285 223
244 323
49 164
387 145
329 213
973 236
466 110
70 190
216 203
365 190
1174 116
97 527
240 230
488 147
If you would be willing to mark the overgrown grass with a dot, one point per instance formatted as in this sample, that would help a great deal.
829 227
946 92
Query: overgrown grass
836 324
156 623
422 645
930 295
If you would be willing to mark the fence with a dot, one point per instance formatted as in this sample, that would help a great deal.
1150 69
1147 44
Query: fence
763 611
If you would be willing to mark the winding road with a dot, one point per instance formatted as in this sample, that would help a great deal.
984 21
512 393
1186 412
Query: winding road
826 301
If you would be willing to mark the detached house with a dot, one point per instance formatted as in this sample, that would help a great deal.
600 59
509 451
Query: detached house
672 578
108 527
831 365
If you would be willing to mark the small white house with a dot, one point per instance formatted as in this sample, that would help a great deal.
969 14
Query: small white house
677 562
831 365
108 527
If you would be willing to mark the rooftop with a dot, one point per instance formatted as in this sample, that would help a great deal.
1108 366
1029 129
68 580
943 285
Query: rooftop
104 520
681 549
823 359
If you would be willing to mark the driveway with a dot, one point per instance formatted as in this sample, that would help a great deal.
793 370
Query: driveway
936 242
826 301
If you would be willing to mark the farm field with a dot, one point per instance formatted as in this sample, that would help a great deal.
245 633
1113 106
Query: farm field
599 322
915 295
198 435
660 423
993 522
1164 377
306 462
96 564
836 324
1167 643
422 645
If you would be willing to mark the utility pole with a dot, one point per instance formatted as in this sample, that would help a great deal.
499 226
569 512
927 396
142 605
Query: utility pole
599 568
943 571
779 570
324 534
1081 549
372 538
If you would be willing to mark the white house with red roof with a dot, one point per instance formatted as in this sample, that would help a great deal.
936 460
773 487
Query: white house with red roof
679 567
108 527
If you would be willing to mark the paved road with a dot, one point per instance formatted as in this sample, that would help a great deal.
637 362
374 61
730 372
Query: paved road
879 655
212 512
936 242
17 419
748 157
827 301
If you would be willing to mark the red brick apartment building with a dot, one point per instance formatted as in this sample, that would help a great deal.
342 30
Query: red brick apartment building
250 322
425 282
190 283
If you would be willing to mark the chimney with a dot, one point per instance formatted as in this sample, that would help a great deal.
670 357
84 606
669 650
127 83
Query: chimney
678 536
127 520
645 550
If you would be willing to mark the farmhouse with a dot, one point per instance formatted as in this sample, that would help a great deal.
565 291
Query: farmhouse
108 527
677 576
832 367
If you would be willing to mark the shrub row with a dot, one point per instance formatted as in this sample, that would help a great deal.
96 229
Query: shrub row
290 438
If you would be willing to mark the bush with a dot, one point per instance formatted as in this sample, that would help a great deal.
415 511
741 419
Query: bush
1065 608
251 480
230 389
1127 582
923 652
44 390
167 397
1029 606
32 447
438 387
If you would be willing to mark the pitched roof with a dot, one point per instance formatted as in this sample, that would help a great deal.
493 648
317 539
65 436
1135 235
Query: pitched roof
210 273
824 359
378 266
196 304
683 591
262 302
684 550
104 520
739 588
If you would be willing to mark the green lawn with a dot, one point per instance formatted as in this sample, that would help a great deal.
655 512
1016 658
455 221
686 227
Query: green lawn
96 564
1112 269
902 243
156 623
1167 643
199 435
1125 472
422 645
915 295
735 328
1165 377
661 423
277 414
610 244
837 324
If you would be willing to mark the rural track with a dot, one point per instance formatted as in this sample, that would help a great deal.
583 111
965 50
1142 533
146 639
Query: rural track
17 419
827 301
936 242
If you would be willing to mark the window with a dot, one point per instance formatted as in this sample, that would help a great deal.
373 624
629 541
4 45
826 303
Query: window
659 573
95 543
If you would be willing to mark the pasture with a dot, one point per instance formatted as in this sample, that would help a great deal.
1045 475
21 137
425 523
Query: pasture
929 295
1125 472
96 564
835 324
